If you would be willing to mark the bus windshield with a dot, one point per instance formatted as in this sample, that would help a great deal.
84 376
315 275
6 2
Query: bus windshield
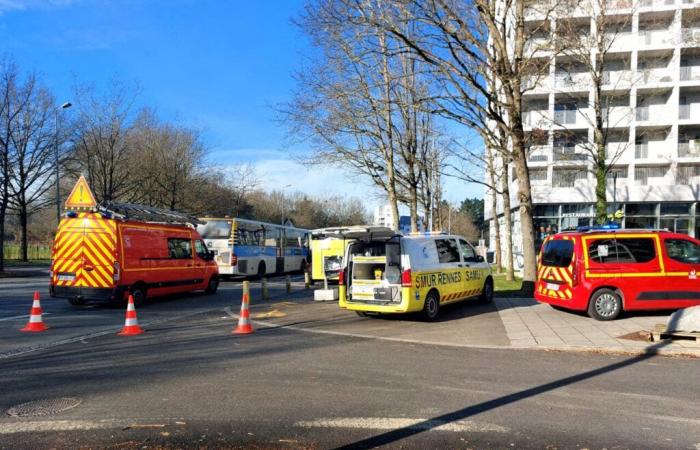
215 229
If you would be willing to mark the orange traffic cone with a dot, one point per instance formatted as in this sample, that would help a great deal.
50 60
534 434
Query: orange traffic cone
131 325
244 326
35 323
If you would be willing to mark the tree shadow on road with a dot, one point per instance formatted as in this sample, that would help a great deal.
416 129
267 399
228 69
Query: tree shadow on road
393 436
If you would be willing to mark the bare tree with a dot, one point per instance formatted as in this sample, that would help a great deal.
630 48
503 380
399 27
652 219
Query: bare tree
101 149
590 61
474 46
14 98
32 157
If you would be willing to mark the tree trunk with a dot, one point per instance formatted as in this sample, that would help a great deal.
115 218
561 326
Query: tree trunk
601 202
494 205
24 256
413 206
525 203
508 222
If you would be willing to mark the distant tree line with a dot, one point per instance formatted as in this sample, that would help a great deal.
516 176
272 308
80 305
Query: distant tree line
129 154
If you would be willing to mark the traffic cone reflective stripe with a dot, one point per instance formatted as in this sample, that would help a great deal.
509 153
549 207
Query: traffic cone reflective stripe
131 324
244 326
35 323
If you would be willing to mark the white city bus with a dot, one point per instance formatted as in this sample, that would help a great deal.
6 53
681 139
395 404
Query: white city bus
250 247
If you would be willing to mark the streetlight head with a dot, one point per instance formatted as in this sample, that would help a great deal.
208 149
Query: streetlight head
66 105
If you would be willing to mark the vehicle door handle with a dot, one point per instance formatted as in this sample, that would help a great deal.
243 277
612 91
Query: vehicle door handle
460 265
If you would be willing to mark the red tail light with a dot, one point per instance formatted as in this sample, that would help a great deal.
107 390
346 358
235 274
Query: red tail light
234 259
117 271
341 277
406 278
574 274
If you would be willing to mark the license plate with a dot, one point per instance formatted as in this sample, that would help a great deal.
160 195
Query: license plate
552 287
66 277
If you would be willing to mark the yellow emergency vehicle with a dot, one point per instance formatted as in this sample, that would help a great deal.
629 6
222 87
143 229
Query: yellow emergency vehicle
328 250
385 272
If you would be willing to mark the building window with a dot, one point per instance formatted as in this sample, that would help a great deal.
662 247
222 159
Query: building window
567 177
688 174
538 175
642 174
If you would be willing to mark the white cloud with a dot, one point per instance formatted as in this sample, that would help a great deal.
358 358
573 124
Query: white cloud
22 5
279 170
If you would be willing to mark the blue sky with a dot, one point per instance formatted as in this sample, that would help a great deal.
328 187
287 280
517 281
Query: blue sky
218 65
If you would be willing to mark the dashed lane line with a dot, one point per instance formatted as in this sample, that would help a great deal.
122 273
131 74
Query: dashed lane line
56 425
25 316
394 423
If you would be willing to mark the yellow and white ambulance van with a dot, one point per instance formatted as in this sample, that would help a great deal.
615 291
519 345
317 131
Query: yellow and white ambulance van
385 272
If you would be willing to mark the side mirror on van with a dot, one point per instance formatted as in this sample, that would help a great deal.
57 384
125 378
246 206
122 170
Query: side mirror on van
209 256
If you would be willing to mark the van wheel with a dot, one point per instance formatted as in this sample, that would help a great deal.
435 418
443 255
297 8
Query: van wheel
487 293
76 301
431 306
139 294
261 270
605 304
213 285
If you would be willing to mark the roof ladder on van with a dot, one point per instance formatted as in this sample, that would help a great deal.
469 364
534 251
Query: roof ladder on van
146 213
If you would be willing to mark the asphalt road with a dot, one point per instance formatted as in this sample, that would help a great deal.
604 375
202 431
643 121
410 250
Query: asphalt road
187 382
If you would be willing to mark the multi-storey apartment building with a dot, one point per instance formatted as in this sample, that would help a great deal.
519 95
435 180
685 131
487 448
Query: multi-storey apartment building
652 78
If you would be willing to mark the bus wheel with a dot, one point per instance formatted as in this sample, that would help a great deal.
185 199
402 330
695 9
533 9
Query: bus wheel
213 285
76 301
431 306
138 291
605 304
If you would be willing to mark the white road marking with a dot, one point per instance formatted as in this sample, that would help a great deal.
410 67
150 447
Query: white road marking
393 423
365 336
26 316
55 425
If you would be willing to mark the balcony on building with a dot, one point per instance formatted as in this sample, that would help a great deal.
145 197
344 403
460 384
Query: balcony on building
645 5
617 73
689 2
690 65
618 33
653 175
538 35
570 146
688 174
571 111
536 112
617 146
571 76
536 79
655 67
617 5
690 26
656 30
653 144
538 176
616 178
616 111
573 35
689 142
654 106
538 148
689 105
574 177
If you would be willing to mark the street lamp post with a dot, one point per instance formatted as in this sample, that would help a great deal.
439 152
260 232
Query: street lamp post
66 105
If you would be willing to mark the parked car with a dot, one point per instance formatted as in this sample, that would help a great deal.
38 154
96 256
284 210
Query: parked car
605 272
384 272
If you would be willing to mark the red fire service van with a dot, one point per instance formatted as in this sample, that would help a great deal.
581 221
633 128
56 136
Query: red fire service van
109 251
606 271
